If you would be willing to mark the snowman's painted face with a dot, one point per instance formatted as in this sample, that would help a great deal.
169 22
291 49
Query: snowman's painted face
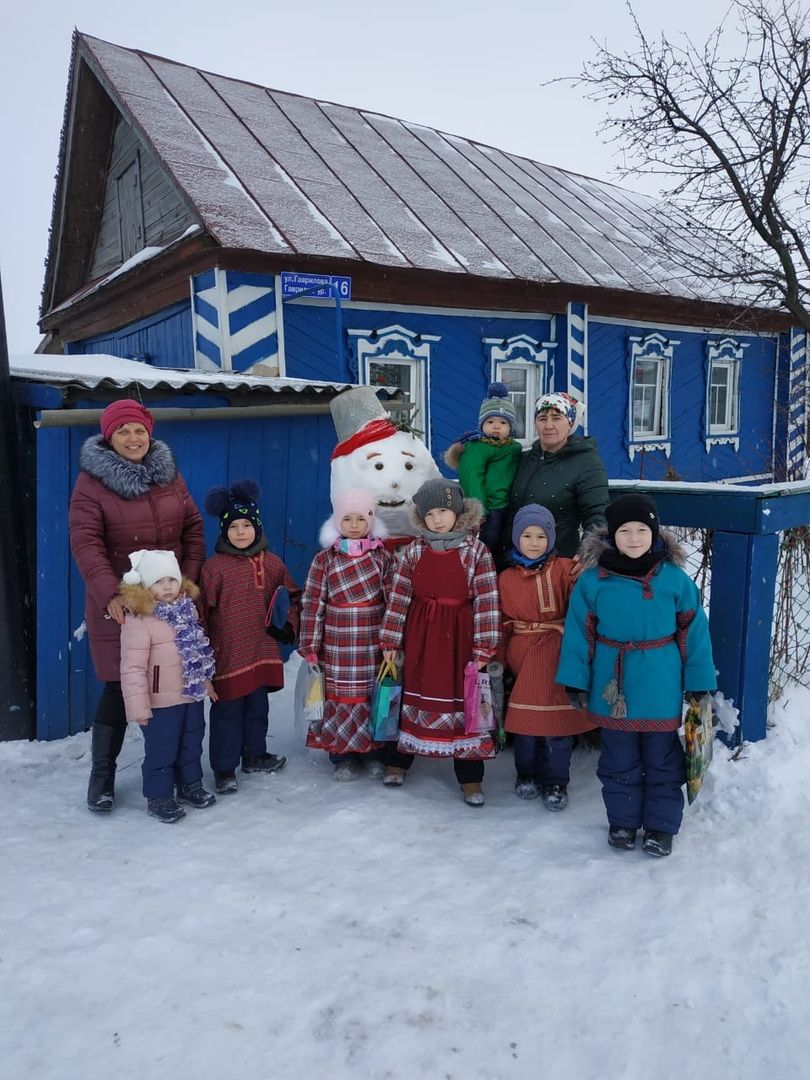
378 461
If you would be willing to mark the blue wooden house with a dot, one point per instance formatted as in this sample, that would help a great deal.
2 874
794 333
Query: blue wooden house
201 221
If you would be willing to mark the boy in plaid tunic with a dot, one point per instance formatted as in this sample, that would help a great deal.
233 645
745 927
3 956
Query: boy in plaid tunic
238 585
444 612
341 612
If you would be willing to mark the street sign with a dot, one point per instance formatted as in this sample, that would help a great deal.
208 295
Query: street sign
318 286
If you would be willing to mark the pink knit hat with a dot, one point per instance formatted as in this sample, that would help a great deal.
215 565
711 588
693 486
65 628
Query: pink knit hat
353 502
125 411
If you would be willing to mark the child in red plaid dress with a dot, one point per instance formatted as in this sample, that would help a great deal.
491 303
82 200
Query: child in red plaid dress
238 587
341 612
444 613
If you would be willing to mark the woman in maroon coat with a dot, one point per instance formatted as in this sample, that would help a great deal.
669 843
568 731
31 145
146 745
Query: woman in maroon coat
128 495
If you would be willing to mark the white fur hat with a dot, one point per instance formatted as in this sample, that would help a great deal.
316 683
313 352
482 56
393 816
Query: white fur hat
150 566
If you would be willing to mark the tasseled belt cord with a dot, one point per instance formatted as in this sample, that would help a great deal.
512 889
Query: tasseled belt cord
613 693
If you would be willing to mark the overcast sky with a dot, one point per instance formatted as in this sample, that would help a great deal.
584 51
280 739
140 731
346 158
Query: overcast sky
470 68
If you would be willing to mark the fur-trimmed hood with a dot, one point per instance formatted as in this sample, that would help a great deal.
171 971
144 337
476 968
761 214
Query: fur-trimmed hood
452 455
127 479
330 533
139 601
593 544
471 516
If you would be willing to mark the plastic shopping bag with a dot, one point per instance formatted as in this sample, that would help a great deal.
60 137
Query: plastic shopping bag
309 696
386 699
698 735
478 715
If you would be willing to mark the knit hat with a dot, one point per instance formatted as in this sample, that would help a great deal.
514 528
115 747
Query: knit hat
353 502
534 514
439 494
563 403
150 566
631 508
234 503
125 411
497 403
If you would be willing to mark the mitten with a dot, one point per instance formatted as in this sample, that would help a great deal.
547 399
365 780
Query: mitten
285 634
577 698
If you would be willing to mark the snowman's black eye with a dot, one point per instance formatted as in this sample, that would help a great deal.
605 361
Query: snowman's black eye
379 465
408 464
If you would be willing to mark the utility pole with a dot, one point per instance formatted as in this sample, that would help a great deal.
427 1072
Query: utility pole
17 720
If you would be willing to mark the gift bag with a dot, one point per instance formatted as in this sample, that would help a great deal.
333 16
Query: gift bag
478 716
309 696
386 699
698 737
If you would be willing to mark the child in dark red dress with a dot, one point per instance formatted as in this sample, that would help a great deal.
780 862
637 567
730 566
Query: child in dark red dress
443 612
238 586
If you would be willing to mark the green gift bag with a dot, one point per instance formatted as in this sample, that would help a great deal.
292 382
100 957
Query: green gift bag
386 698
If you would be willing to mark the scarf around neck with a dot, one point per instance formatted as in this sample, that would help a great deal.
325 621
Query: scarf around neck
192 644
222 547
354 548
612 559
530 564
445 541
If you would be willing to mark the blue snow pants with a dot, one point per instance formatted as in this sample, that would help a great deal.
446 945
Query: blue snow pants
642 774
545 759
173 749
238 729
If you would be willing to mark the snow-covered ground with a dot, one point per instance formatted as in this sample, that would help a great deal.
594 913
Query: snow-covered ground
307 929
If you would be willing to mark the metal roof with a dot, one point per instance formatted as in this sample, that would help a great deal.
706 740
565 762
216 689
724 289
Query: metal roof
279 173
92 372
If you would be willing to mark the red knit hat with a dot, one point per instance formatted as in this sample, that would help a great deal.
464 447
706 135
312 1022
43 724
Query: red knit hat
125 411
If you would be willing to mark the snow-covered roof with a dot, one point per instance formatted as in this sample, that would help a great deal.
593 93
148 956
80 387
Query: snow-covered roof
99 371
278 173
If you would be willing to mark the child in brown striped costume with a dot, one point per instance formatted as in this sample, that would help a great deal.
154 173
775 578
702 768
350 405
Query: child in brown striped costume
343 605
238 586
534 595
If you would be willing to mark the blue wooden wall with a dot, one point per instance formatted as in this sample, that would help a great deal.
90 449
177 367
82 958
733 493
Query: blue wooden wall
164 339
277 452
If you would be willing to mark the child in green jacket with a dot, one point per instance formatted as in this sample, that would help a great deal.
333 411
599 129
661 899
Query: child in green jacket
487 460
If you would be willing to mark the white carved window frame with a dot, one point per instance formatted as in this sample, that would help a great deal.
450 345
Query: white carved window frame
726 354
401 347
654 352
522 353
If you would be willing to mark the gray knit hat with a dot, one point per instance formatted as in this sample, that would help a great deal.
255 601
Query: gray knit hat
498 403
439 494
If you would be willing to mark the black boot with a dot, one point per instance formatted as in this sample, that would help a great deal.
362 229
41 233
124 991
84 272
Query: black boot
657 843
107 742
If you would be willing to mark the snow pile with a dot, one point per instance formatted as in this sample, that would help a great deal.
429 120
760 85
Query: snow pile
304 928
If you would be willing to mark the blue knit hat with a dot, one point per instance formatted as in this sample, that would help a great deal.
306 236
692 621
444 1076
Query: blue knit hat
497 403
534 514
235 503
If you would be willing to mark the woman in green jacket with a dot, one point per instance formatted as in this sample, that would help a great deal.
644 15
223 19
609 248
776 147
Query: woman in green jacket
562 472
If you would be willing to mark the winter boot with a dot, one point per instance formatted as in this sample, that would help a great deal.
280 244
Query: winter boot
526 788
374 769
473 795
621 838
107 740
347 770
657 843
195 795
166 810
393 776
555 797
225 782
263 763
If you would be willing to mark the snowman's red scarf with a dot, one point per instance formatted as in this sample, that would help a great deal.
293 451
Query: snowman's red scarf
373 431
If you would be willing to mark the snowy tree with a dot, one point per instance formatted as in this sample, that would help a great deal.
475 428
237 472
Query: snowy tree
727 121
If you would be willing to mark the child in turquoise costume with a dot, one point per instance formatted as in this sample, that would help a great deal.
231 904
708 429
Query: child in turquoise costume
635 640
487 460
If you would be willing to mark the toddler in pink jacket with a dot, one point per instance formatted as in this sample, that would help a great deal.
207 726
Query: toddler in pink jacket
166 669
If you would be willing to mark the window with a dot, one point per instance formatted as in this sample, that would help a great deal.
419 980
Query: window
394 356
723 392
650 366
521 363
